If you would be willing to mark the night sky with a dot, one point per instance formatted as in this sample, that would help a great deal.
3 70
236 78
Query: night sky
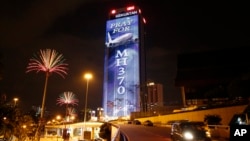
76 29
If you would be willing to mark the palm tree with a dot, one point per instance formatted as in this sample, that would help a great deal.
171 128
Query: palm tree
48 61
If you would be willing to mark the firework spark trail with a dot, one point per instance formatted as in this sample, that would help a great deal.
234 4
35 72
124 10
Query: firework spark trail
49 61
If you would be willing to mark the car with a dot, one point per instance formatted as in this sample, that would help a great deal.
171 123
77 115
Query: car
190 131
148 123
130 122
137 122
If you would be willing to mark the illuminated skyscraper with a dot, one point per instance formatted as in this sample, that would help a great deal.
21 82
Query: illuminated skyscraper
124 67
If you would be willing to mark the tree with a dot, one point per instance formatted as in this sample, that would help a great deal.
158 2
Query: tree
48 61
14 122
7 118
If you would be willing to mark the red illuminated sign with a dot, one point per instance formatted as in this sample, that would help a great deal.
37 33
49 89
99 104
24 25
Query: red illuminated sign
128 11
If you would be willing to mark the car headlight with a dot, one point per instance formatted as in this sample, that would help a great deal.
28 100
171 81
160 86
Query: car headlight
188 135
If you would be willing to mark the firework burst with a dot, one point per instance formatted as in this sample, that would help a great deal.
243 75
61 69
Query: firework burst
72 111
48 61
67 98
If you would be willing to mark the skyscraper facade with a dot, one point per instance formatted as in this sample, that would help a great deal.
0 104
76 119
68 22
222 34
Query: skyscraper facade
124 66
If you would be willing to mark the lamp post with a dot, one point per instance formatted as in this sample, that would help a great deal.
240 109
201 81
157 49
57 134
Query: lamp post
87 76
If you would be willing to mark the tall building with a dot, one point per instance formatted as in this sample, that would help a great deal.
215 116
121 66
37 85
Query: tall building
124 66
154 96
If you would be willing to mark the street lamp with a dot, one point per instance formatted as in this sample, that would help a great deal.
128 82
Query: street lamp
58 117
15 101
87 76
